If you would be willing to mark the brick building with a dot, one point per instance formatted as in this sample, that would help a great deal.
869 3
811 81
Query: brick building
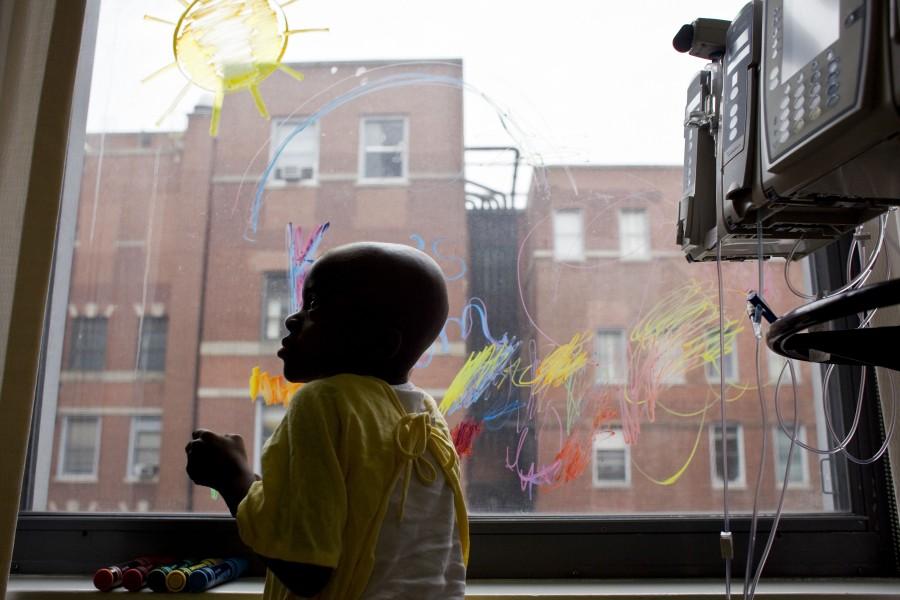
173 299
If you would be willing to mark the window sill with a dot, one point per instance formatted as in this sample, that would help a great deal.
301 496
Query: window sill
29 587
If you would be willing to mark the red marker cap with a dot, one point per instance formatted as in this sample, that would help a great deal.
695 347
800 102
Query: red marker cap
106 579
133 580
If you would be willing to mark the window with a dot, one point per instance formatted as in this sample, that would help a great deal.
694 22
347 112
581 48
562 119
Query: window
383 148
276 305
143 452
634 234
392 163
300 159
610 354
799 473
267 419
775 364
729 364
734 445
152 353
79 448
612 460
568 235
88 344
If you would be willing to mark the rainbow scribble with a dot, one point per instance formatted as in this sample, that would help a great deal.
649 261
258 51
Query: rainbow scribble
227 46
300 257
482 369
464 435
274 389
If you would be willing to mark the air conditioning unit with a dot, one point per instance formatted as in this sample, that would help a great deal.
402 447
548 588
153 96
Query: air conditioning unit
293 173
145 471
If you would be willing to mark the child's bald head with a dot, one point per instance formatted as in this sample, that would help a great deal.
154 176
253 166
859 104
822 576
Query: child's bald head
368 308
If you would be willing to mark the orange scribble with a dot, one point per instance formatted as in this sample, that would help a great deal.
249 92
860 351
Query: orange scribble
573 459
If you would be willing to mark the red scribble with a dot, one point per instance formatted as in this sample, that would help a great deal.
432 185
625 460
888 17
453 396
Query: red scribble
464 435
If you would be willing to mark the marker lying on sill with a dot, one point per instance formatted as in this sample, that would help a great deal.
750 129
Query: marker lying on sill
110 577
211 576
177 579
134 578
156 579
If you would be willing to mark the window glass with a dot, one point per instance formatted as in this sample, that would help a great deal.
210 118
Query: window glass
568 235
581 349
152 356
798 475
383 148
276 305
612 465
88 344
80 449
143 459
731 457
299 159
634 234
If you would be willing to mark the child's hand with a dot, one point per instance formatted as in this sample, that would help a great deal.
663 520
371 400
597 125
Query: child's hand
217 461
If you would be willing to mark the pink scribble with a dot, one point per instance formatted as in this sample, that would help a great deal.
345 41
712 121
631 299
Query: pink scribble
300 258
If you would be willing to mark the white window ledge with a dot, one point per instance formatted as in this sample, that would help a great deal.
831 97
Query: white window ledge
29 587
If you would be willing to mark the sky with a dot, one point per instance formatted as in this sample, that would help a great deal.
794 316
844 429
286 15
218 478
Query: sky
587 81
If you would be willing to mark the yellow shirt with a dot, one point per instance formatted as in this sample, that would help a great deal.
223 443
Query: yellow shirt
327 476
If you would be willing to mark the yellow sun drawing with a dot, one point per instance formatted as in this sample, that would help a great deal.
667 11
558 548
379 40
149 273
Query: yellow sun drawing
226 46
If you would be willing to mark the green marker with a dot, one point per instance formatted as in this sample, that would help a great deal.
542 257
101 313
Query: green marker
178 578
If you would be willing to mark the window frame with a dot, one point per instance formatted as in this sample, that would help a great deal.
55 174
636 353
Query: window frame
274 180
141 363
558 255
130 476
718 483
73 346
268 276
777 435
647 253
91 477
859 540
622 379
403 179
596 444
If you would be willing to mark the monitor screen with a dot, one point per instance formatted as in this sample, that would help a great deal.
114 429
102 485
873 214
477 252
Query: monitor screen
810 26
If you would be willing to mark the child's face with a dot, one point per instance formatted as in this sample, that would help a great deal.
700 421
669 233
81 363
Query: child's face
308 349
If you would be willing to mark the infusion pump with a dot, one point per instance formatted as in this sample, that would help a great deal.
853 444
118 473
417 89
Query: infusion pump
793 127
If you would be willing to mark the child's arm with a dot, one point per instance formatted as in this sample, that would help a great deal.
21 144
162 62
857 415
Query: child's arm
220 462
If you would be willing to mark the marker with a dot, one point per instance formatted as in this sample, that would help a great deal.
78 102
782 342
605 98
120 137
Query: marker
110 577
156 579
134 578
177 579
207 577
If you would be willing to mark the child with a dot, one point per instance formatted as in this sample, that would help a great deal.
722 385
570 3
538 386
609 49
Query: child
360 494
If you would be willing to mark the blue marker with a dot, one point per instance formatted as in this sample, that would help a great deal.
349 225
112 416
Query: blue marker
213 575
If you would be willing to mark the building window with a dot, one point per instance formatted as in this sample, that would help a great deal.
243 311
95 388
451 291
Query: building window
568 234
634 234
79 447
775 363
152 350
729 364
383 148
734 444
267 419
669 367
611 357
299 161
612 460
799 474
88 346
276 305
143 452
